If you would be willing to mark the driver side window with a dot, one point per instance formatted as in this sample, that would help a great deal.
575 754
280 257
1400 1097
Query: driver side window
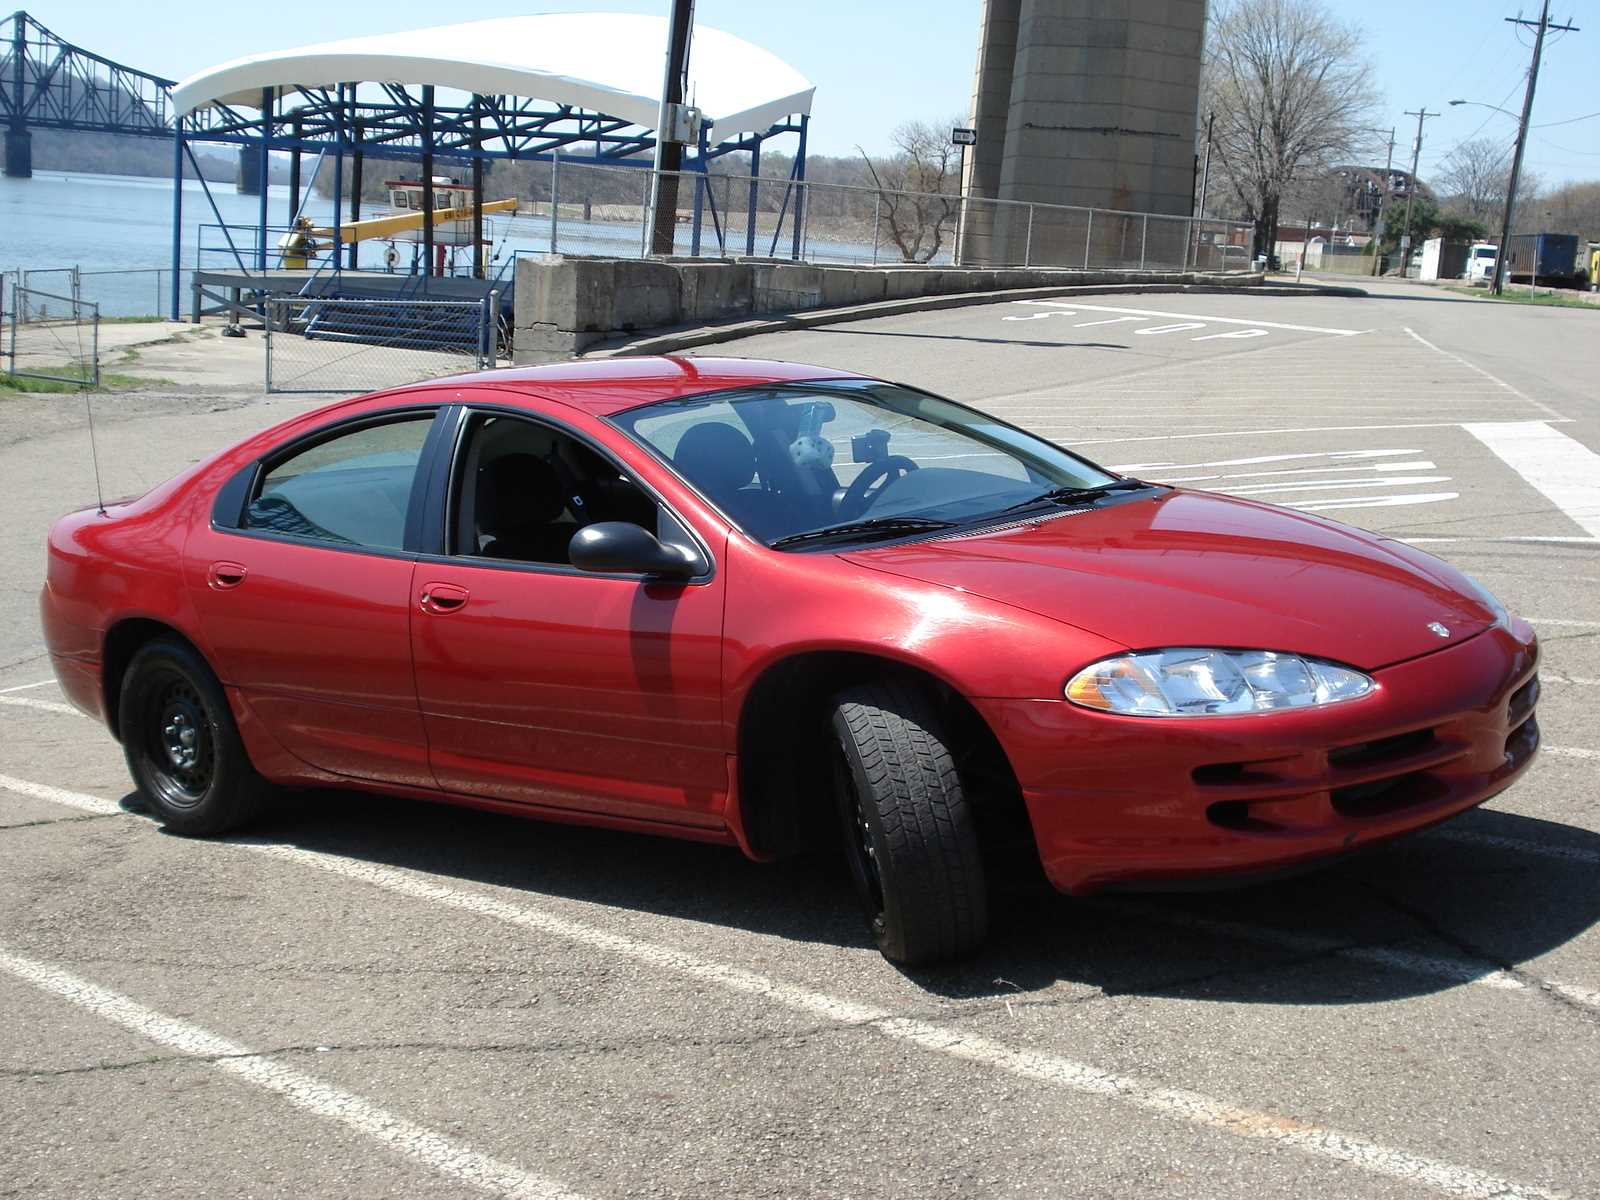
523 489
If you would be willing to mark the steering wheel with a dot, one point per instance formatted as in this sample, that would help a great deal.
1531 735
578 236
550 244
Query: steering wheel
866 487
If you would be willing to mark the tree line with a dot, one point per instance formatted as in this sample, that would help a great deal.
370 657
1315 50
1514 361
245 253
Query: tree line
1294 96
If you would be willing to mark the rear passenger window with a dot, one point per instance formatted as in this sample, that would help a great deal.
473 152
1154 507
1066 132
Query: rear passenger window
351 490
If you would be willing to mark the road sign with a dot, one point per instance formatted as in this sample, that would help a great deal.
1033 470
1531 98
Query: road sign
964 137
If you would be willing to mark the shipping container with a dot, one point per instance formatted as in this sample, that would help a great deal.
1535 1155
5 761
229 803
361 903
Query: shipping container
1549 258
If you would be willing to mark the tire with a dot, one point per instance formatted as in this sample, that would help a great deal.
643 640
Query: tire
182 746
910 838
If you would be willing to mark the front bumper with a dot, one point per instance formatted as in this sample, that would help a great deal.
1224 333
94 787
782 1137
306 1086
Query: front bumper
1170 801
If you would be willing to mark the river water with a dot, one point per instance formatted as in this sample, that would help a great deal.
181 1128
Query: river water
117 230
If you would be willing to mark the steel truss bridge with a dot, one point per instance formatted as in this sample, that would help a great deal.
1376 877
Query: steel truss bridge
48 83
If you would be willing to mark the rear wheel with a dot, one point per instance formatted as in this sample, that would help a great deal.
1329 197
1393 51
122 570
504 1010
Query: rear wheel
182 746
910 838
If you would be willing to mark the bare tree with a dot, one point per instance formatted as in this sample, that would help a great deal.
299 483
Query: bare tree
918 187
1473 178
1533 205
1575 208
1292 94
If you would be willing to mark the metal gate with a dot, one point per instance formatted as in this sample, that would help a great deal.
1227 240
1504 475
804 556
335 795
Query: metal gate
50 337
347 345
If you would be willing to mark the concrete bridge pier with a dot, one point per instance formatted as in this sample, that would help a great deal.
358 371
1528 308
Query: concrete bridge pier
19 154
1081 102
249 176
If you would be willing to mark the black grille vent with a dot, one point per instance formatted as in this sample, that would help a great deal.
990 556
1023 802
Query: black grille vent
1375 753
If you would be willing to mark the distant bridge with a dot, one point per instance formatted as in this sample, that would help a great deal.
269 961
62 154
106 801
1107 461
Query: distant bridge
48 83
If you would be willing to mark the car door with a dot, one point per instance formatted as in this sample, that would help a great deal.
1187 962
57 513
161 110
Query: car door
302 584
549 686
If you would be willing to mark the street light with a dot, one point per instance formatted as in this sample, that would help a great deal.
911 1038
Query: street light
1481 104
1502 265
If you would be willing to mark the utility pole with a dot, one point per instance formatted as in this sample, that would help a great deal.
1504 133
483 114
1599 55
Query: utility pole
1205 187
1411 189
669 150
1383 205
1502 263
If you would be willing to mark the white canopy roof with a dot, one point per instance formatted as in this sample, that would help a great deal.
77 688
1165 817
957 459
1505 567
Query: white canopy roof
608 63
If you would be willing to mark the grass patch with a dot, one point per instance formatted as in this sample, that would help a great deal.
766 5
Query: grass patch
110 381
131 320
1541 299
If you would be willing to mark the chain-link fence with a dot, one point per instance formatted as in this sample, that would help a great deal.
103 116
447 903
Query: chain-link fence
588 209
50 337
348 345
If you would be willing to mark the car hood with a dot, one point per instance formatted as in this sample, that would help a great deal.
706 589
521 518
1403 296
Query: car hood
1196 569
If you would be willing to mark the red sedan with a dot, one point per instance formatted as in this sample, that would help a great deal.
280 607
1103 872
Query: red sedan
752 602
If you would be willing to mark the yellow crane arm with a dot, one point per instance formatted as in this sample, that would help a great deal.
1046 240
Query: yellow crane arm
384 227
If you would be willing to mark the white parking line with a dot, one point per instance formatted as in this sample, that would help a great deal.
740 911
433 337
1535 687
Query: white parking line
1563 469
1433 541
442 1154
1258 459
1146 312
43 791
1494 379
1420 464
1374 501
25 687
1193 1107
1240 433
42 705
1333 485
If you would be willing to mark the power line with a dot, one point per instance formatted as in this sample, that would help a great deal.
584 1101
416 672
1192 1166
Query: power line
1567 149
1568 121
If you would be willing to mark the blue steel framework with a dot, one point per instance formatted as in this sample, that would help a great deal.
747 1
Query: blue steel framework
409 124
47 82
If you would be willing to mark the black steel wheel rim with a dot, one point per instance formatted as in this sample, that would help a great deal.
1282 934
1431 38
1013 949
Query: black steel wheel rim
859 850
180 745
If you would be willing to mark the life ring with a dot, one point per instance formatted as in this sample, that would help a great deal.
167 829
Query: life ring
391 257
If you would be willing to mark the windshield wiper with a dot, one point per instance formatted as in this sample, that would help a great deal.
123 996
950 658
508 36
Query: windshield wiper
1071 495
873 526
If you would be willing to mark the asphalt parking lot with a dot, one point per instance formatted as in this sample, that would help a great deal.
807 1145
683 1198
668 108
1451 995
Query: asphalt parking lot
371 997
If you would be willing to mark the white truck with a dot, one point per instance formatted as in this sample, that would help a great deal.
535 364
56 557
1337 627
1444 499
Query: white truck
1480 262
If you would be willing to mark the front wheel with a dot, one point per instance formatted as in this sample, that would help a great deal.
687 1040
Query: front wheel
909 833
182 746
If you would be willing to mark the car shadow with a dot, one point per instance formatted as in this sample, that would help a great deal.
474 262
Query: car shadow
1490 890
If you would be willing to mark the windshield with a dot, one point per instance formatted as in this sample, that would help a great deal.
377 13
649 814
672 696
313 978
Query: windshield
788 459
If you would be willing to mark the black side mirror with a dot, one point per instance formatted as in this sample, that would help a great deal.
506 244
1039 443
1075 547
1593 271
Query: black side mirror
621 548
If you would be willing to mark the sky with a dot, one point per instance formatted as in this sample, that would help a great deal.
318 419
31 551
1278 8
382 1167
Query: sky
879 62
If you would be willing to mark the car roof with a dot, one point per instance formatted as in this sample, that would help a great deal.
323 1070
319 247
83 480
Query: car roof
611 385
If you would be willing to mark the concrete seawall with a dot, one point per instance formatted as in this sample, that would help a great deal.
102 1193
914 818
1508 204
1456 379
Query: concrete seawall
566 305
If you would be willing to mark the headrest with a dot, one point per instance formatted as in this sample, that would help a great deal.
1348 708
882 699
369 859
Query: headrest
715 457
517 491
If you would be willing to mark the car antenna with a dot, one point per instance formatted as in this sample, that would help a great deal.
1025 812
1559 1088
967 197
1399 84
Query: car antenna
94 452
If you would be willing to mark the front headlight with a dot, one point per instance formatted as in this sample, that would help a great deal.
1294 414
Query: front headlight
1490 600
1199 683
